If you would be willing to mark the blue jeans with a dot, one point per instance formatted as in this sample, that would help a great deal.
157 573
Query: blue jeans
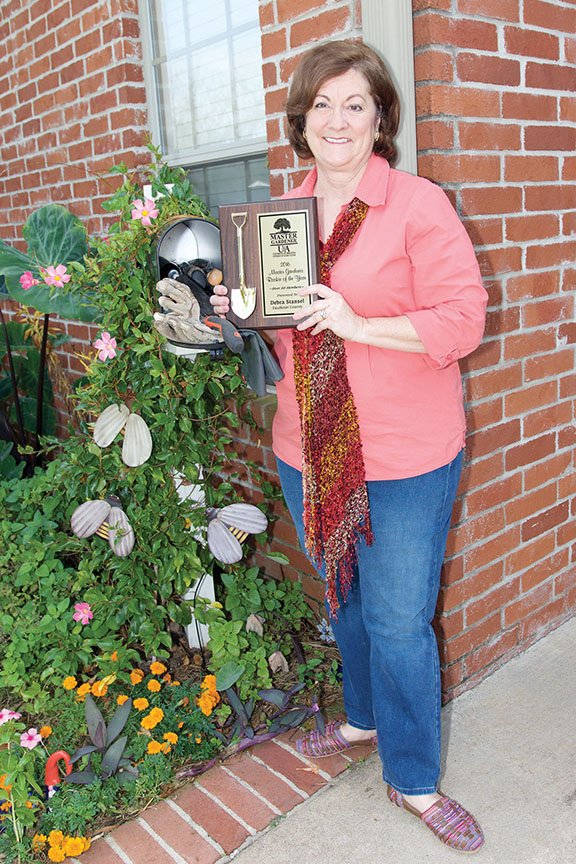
390 665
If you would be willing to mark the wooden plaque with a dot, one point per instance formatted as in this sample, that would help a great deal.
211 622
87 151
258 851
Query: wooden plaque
269 251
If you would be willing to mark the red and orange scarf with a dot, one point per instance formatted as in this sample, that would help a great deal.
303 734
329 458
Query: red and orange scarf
336 509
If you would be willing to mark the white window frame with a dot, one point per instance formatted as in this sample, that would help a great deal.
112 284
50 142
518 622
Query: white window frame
388 28
195 155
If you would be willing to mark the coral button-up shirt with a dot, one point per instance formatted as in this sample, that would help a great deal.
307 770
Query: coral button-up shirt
410 257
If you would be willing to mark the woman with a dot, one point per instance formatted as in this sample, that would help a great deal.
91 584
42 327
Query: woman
370 426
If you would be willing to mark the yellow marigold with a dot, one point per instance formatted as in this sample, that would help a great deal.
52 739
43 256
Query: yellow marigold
38 842
205 704
175 683
157 668
69 683
141 704
171 737
73 846
209 683
46 731
198 739
82 691
166 748
181 724
150 721
55 838
154 686
87 843
114 656
136 676
56 853
3 784
99 688
167 678
121 699
154 747
5 806
29 805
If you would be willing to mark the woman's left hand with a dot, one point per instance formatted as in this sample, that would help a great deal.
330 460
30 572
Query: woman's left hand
329 312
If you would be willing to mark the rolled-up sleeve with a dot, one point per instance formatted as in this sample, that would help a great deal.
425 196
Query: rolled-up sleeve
450 298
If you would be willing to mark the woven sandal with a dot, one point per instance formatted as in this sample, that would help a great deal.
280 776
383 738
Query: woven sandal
317 746
448 820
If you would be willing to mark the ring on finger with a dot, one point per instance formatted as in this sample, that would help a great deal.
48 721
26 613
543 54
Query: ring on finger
324 314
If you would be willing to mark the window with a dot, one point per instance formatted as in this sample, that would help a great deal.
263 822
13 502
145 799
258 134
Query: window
204 79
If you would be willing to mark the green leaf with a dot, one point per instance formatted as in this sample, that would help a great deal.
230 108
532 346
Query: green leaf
118 721
55 236
111 758
229 674
81 777
279 557
95 722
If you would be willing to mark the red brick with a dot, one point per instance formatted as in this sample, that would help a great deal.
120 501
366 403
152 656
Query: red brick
494 494
264 781
488 70
568 109
289 766
484 232
276 100
532 451
543 570
529 106
474 529
321 26
550 255
507 10
458 102
433 65
237 798
555 467
530 398
528 603
486 441
542 619
548 365
491 602
266 13
139 845
550 137
544 522
550 197
456 168
529 343
288 10
480 472
532 227
544 311
532 285
178 834
452 676
493 549
215 821
472 638
101 853
497 262
488 654
494 381
549 16
528 553
531 43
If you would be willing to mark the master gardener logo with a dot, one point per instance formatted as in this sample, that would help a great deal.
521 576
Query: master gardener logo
283 239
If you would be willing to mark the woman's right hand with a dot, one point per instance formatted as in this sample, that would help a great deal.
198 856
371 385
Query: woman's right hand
220 300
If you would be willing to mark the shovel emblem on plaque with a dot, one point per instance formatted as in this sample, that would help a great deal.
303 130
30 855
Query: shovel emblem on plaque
243 298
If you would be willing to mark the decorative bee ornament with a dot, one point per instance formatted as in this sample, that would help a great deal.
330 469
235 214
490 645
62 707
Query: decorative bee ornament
137 445
106 519
228 528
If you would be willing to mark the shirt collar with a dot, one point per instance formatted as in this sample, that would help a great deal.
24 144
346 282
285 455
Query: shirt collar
372 188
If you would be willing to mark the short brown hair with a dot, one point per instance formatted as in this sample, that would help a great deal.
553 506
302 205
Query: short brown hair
327 61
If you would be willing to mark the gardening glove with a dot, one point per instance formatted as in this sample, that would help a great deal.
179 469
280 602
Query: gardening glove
259 366
191 331
177 298
196 280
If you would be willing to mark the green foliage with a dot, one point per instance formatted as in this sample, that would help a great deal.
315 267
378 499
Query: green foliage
108 742
281 607
26 359
54 236
19 769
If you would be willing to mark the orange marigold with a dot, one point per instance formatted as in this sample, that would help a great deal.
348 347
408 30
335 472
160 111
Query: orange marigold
56 853
157 668
55 838
5 806
73 846
152 719
99 688
141 704
114 656
3 784
69 683
171 737
198 739
154 686
38 842
121 699
82 691
136 676
154 747
166 748
46 731
205 704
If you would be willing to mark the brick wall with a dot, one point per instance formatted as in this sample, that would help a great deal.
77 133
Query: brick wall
497 130
73 104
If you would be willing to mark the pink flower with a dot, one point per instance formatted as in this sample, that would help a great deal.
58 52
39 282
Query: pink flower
106 346
144 211
30 739
27 281
82 613
6 715
56 275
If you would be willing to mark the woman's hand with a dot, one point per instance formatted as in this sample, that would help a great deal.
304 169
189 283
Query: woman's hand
220 300
329 312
